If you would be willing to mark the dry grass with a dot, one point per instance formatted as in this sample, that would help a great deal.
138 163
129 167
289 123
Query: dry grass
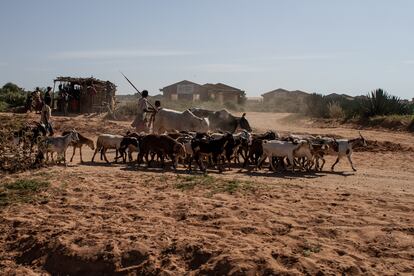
22 191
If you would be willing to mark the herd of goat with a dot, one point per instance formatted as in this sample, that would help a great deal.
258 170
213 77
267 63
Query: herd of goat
218 150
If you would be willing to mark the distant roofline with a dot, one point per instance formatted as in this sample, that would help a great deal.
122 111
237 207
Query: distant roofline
218 86
223 87
161 89
278 90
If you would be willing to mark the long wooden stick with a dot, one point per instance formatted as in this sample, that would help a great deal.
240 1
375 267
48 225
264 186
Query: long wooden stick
137 90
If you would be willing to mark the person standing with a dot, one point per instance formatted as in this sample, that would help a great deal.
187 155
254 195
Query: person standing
45 117
37 100
140 122
65 102
29 102
48 96
157 106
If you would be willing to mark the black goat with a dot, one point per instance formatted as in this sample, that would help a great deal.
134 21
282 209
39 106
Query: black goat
213 147
130 143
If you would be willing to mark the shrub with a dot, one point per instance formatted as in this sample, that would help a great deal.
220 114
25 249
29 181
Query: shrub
126 109
12 95
379 102
335 110
317 106
3 106
411 126
230 105
376 103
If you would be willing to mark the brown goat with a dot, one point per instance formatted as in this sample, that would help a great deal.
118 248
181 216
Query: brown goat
82 141
162 145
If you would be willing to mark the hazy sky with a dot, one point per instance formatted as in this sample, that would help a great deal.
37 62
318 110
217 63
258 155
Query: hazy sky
317 46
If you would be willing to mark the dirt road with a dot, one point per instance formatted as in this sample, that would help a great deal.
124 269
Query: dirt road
100 218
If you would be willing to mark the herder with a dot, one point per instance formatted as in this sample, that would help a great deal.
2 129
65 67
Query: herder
140 122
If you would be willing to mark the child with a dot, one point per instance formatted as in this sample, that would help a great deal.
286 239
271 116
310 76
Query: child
153 112
45 116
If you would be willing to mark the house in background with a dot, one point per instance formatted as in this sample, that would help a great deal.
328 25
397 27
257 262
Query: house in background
282 100
190 91
184 91
282 93
222 93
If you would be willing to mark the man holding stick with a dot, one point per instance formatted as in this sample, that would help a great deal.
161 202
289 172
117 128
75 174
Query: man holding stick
144 106
140 122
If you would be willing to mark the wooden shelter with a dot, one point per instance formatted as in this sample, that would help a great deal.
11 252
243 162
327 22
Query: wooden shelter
84 95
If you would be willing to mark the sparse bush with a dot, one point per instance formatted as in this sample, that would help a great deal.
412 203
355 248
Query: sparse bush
335 110
317 106
127 109
230 105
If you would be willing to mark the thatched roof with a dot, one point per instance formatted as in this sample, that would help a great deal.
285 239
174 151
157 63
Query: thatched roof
85 81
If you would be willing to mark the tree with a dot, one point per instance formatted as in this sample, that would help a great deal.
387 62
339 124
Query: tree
11 87
12 95
379 102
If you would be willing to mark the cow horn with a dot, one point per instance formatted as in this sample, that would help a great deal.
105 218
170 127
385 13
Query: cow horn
361 135
244 114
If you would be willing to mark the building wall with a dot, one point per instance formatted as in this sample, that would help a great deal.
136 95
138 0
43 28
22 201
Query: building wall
187 92
194 92
230 97
267 98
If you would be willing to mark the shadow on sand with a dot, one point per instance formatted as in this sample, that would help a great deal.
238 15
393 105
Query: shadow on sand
233 168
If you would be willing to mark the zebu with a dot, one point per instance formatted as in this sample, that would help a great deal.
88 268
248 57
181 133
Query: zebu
222 120
168 120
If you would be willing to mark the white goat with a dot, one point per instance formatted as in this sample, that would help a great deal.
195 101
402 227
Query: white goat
344 147
58 144
105 142
276 148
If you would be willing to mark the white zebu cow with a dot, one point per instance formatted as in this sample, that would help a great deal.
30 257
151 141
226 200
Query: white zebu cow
172 120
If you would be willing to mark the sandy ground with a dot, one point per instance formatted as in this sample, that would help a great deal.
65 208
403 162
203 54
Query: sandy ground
103 219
